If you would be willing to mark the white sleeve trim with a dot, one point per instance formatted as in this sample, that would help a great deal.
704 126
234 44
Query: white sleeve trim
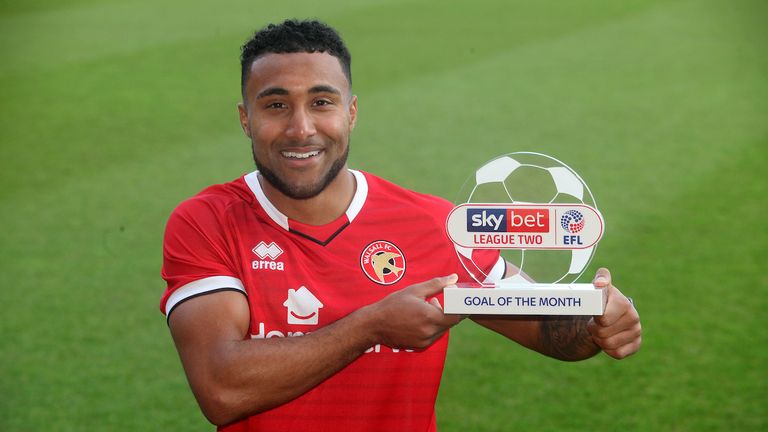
497 272
202 286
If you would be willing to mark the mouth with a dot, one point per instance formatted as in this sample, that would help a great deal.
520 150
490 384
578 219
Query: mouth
300 155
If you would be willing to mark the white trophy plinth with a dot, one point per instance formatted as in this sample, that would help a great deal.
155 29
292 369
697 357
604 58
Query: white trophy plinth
533 299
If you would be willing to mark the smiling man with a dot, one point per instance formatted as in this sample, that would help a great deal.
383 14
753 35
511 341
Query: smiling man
306 295
299 152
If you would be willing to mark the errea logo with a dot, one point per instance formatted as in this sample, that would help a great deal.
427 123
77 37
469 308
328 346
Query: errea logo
263 250
267 254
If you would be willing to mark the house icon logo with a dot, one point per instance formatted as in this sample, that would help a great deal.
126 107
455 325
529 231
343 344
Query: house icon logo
303 307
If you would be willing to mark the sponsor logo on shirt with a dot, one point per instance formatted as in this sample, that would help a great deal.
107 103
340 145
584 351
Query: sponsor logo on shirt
383 262
262 332
303 307
268 254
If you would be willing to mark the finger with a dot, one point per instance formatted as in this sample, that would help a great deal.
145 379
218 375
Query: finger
431 340
625 323
436 303
433 286
617 306
617 340
451 320
625 350
602 278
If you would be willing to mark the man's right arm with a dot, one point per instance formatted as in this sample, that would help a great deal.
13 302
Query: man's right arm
233 376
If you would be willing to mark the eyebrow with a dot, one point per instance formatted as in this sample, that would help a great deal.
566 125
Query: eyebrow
279 91
271 92
322 88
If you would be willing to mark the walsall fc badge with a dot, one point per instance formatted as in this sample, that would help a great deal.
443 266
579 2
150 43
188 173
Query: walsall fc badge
383 262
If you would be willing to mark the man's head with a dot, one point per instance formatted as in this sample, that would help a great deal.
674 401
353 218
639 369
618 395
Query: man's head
298 109
294 36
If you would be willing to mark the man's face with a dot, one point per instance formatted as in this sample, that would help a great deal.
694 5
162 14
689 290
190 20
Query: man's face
299 112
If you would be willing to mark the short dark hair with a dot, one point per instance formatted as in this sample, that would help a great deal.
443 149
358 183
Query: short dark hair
292 36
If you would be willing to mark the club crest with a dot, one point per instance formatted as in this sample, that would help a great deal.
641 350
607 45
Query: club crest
383 262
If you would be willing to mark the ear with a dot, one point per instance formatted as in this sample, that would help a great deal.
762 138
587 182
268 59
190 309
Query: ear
352 113
243 110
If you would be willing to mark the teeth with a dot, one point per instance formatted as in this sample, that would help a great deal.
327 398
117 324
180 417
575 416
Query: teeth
295 155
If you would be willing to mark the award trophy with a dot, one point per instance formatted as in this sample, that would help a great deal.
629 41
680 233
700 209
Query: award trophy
542 218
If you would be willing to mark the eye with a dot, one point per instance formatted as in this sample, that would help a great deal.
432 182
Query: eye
322 102
275 105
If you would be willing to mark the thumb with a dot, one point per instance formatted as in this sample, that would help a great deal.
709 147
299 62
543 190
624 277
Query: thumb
602 278
433 286
602 281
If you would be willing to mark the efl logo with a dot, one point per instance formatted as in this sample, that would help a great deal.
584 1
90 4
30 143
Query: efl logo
507 220
572 221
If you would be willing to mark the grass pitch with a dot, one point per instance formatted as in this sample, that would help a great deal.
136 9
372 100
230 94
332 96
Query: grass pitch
113 112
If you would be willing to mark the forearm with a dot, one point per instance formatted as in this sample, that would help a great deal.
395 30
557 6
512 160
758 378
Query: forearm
245 377
566 338
233 376
281 369
560 337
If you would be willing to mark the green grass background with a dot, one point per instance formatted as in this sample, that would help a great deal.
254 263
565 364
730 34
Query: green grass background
111 112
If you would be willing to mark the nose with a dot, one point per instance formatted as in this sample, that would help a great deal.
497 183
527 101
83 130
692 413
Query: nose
300 126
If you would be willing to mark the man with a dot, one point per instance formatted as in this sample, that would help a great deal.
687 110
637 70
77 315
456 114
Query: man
307 296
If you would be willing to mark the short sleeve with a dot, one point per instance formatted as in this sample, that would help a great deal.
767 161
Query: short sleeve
197 255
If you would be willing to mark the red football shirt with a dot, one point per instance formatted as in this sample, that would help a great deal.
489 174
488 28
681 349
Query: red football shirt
298 278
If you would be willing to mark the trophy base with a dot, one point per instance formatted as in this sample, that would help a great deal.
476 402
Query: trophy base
527 299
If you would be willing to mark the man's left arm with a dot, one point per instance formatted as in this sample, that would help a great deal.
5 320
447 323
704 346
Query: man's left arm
617 332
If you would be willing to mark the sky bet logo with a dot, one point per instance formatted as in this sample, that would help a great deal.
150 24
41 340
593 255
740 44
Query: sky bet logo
507 220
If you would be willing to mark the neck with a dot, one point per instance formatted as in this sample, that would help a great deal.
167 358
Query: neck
324 208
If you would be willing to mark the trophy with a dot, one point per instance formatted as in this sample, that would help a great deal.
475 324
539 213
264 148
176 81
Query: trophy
540 216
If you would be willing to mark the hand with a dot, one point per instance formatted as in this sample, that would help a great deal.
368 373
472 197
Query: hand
405 319
617 331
